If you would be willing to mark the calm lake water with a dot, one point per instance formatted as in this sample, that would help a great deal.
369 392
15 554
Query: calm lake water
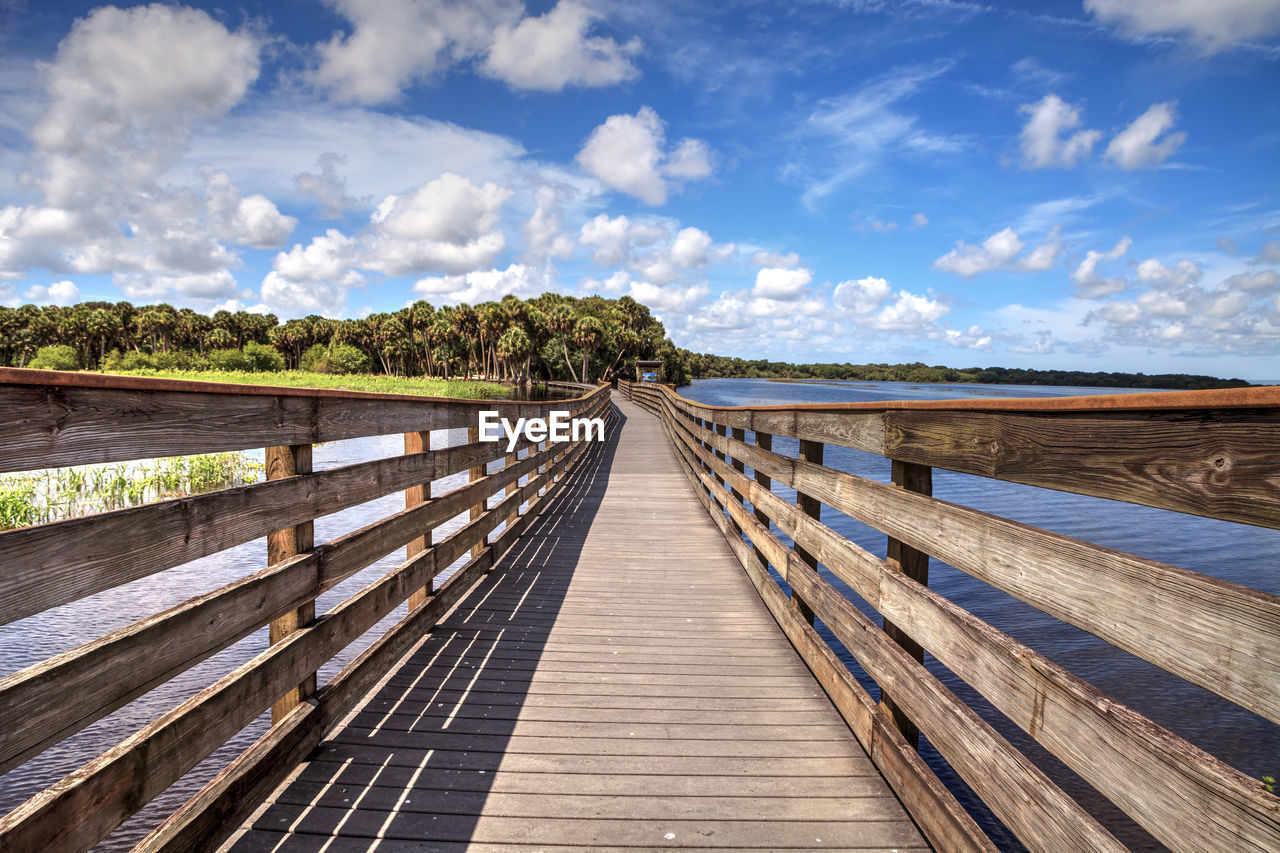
1234 552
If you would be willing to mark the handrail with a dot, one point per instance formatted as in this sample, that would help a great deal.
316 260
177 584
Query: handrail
1220 448
53 419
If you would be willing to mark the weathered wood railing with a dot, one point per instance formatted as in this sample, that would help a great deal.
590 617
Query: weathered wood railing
1215 454
54 419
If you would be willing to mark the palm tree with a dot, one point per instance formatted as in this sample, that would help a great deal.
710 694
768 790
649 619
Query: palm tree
588 334
514 346
561 321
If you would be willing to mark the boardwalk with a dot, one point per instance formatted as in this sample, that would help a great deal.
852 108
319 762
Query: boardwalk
615 683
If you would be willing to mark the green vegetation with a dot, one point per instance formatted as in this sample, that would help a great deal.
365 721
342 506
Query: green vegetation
706 366
551 337
468 389
36 497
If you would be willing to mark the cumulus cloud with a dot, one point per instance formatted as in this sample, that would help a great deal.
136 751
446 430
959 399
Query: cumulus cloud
485 285
763 258
448 224
1212 24
781 284
863 295
1269 254
1000 251
396 43
554 51
1043 143
919 220
1089 283
649 248
124 98
1141 145
544 235
1170 309
668 298
627 154
328 188
58 293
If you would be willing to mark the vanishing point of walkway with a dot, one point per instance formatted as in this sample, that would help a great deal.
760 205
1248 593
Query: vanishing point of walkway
615 683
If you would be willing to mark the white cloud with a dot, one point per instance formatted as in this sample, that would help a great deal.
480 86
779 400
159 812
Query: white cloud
780 283
762 258
58 293
626 154
1137 147
1089 283
690 248
1213 24
862 128
919 220
1043 144
396 43
544 236
648 247
485 285
909 312
447 225
554 51
862 296
1173 311
1000 251
1269 254
124 97
328 188
610 237
674 298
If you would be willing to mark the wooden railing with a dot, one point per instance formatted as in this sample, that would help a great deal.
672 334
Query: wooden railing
50 419
1214 454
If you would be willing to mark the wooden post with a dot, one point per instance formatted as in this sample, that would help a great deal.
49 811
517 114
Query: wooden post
475 473
513 458
290 461
810 451
417 442
764 441
915 565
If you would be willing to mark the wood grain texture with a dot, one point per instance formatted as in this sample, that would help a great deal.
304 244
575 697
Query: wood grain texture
50 422
1203 454
942 819
1223 636
52 564
281 463
1182 795
582 579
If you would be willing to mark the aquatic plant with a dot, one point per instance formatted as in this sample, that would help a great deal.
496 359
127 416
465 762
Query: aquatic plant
37 497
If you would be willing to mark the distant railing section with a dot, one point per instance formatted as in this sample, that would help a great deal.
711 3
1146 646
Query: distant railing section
53 419
1215 454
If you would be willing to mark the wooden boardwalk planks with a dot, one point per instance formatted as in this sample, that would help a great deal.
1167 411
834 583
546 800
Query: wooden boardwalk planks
616 683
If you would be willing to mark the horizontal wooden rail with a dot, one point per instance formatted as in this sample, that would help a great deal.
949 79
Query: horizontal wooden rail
1220 635
1141 448
49 701
54 419
1189 624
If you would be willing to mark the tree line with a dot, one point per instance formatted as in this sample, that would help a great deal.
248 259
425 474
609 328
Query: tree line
708 366
550 337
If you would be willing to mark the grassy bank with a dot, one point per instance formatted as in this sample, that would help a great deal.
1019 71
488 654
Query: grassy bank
361 382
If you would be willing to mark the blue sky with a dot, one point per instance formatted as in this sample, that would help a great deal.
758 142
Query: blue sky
1080 185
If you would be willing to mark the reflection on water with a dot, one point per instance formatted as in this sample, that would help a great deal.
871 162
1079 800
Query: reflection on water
1234 552
38 637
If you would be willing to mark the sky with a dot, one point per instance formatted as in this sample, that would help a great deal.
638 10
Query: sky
1087 185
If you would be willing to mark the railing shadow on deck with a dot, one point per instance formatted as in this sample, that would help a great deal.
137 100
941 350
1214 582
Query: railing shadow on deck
1209 454
53 419
418 761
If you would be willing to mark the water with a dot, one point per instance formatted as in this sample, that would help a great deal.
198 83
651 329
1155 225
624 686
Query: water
1234 552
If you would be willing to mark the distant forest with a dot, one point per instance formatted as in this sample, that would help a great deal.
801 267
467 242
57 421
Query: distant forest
547 337
707 366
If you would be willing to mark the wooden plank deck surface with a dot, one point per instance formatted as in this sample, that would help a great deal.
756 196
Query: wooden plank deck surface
615 683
